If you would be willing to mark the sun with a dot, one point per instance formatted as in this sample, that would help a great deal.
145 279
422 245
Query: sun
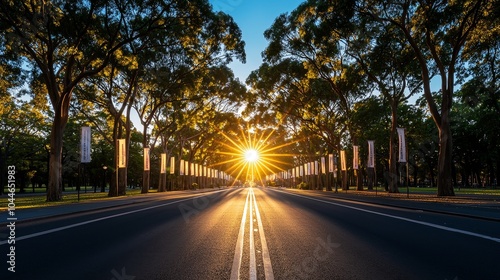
251 155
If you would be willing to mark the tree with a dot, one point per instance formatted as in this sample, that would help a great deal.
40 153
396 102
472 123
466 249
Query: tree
306 35
23 130
66 42
437 31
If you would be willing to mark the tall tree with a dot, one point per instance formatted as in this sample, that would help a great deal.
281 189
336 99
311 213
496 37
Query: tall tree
305 35
437 31
66 42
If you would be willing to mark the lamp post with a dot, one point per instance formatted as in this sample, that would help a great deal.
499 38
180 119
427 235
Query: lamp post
103 188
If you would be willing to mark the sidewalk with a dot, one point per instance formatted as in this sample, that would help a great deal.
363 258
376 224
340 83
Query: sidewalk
30 214
474 206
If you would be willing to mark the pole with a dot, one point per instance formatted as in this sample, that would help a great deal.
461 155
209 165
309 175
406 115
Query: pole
80 175
407 185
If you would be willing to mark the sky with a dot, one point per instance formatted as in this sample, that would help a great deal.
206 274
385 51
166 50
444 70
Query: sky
253 17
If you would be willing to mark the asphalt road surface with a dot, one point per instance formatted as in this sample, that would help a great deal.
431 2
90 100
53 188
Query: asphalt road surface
254 233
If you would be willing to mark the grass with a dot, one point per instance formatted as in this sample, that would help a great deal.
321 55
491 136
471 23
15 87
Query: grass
468 191
37 199
426 190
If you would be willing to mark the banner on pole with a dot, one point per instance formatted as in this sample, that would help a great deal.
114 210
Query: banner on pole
146 159
163 166
355 158
122 153
371 154
343 164
402 144
323 165
330 163
172 165
85 141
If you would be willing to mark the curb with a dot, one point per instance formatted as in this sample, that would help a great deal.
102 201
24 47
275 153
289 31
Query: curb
388 204
97 208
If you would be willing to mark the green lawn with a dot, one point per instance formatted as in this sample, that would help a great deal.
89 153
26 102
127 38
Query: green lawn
457 191
34 200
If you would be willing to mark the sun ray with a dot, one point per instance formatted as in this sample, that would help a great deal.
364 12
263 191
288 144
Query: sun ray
251 156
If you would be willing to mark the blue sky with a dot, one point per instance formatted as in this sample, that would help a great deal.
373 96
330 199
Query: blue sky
253 17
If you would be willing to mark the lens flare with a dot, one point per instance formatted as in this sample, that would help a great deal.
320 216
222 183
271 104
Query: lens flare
252 155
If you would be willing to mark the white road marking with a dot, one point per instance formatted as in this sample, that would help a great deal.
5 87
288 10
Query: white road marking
251 206
404 219
253 265
268 268
238 251
99 219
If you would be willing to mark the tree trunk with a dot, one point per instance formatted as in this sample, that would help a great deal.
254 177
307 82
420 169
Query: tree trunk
122 179
54 188
162 187
359 179
444 184
145 181
345 182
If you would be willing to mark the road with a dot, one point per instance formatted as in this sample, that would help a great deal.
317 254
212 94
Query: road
255 233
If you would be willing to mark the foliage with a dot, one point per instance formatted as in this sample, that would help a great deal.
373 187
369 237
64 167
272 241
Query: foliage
303 186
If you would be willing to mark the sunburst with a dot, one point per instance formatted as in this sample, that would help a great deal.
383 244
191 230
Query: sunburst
252 157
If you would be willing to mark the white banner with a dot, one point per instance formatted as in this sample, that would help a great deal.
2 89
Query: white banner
355 157
146 159
343 163
85 145
323 165
371 154
172 165
163 164
330 164
316 167
122 153
402 144
181 167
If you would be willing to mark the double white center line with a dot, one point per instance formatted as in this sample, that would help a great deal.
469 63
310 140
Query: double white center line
251 206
